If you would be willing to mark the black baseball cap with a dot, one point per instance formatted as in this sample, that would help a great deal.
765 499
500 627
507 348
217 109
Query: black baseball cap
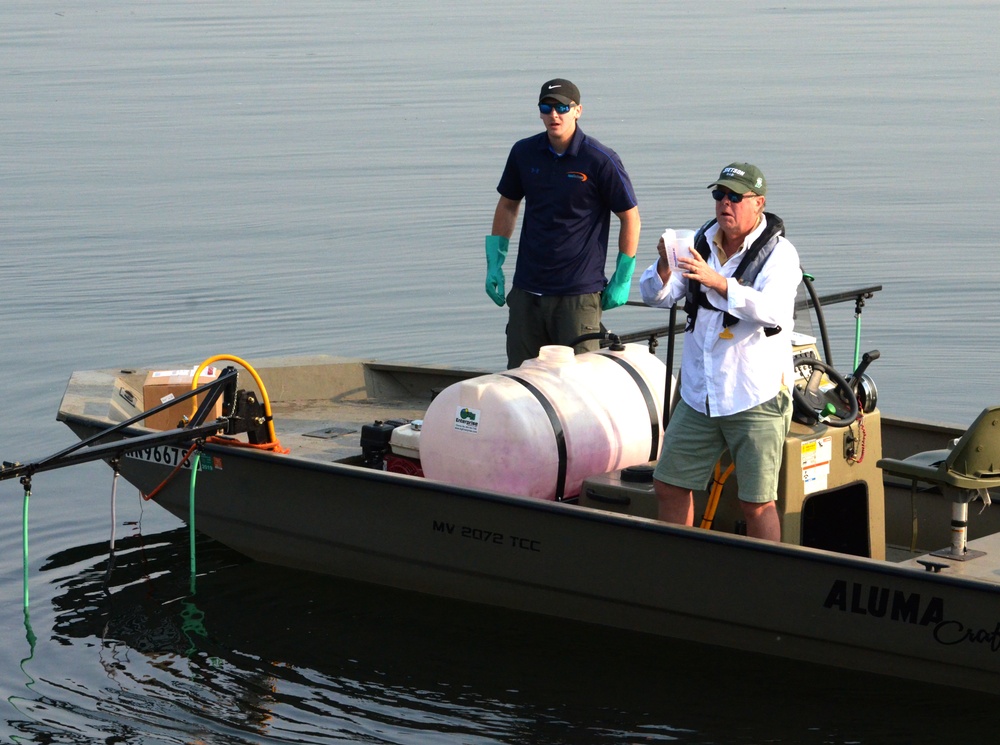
560 90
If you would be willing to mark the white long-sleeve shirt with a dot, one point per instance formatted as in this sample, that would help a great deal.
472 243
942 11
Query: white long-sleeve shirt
725 376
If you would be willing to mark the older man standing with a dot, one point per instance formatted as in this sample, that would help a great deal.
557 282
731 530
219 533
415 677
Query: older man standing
571 185
739 286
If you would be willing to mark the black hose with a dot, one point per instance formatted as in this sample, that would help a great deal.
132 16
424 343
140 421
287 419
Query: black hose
820 319
614 342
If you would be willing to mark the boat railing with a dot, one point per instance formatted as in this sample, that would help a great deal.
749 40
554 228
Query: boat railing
652 335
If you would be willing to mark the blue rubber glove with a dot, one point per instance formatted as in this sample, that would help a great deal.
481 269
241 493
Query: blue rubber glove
496 252
617 290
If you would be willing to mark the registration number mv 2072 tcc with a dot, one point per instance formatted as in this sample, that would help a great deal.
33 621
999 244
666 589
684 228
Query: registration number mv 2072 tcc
481 535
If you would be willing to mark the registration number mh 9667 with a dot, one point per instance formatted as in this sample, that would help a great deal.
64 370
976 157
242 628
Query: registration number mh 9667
168 455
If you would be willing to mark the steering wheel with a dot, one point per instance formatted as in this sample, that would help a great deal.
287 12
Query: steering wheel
812 404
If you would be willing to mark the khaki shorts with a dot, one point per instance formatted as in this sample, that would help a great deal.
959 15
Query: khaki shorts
755 438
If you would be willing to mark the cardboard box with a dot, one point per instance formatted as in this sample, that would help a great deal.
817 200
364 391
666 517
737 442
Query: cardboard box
162 386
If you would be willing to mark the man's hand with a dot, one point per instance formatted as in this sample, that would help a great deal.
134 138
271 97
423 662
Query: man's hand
695 267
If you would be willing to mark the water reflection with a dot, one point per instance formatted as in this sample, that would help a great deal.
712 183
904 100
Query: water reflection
261 653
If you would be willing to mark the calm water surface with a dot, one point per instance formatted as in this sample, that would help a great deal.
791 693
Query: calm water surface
181 180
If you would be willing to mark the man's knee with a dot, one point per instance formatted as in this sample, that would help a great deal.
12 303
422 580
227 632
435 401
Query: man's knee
762 520
674 503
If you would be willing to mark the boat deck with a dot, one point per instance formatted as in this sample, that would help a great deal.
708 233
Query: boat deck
333 433
971 569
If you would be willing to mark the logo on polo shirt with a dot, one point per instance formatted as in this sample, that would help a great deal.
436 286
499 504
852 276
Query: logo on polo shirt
577 175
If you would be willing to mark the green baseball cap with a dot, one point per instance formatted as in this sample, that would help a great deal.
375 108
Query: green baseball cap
741 177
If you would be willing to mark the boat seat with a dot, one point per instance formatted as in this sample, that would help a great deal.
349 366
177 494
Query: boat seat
967 469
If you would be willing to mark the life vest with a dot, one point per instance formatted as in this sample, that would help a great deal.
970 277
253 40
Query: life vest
747 271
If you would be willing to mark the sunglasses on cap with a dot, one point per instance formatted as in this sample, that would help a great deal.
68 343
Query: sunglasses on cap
559 108
718 195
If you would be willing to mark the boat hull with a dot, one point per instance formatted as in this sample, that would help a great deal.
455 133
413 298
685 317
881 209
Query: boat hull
588 565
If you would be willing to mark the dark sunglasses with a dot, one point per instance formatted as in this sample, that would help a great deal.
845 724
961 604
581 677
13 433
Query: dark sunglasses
560 108
718 195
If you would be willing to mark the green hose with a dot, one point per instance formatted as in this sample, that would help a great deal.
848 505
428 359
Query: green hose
194 475
857 341
24 543
193 617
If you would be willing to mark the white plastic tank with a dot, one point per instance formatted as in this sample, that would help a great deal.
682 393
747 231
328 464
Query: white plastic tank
540 429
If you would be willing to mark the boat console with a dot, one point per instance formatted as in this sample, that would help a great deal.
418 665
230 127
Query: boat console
830 491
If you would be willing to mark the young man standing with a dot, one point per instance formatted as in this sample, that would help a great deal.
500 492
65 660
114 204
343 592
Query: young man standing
570 184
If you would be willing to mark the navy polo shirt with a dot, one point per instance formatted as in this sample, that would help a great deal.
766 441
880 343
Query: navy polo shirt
568 203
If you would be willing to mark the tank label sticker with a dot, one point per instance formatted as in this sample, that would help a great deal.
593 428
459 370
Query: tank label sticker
467 420
816 457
